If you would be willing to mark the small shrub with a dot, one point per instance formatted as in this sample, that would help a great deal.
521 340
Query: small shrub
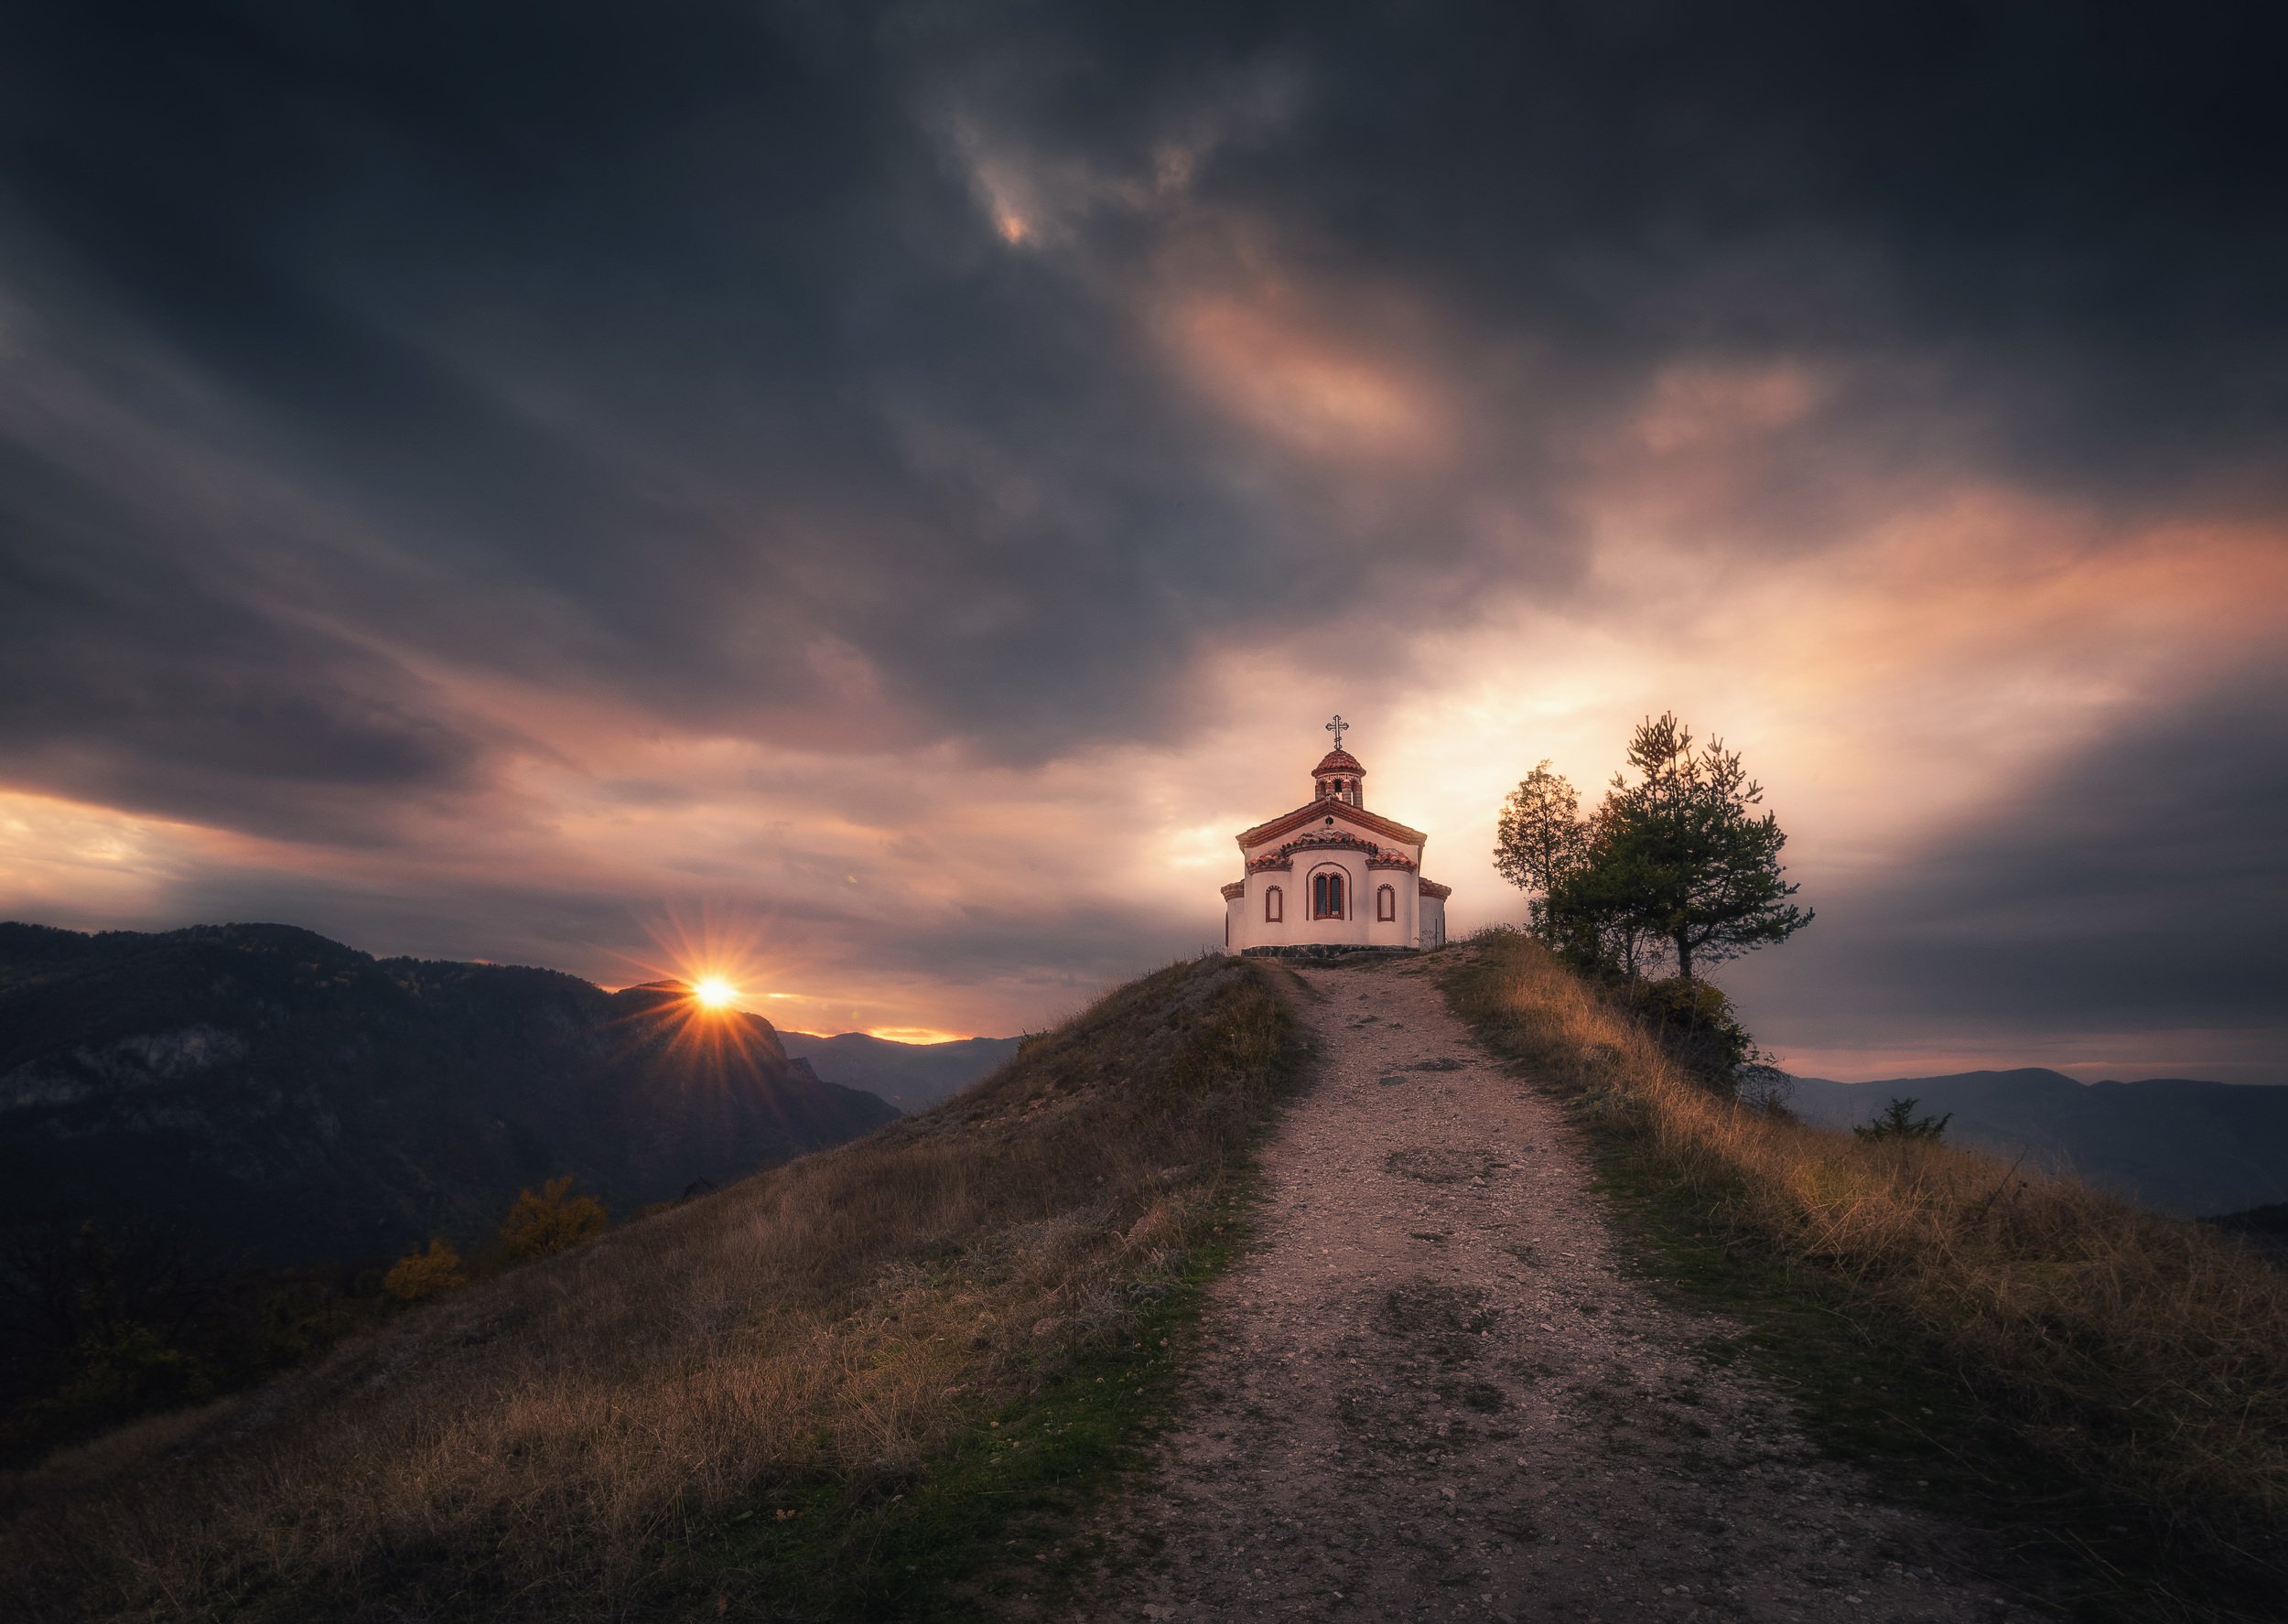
1898 1120
1696 1024
550 1222
420 1275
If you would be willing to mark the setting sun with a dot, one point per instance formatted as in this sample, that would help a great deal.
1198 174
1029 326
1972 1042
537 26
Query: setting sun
714 992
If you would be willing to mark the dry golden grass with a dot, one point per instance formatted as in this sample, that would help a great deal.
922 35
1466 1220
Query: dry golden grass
2145 1352
564 1441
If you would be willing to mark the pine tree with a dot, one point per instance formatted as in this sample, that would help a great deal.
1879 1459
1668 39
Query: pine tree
1701 868
1596 913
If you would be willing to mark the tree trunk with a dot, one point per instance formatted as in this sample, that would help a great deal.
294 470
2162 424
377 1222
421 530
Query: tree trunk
1684 956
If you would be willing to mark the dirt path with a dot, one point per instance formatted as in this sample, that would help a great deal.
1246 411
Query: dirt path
1431 1390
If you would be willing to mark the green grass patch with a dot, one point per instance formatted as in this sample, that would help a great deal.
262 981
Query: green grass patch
1004 1511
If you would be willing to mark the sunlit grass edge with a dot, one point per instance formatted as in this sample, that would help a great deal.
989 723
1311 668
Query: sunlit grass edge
2102 1389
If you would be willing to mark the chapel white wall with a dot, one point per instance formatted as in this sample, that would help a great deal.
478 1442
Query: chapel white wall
1420 922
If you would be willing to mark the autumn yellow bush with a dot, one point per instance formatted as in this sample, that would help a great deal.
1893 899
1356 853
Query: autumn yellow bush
420 1275
548 1222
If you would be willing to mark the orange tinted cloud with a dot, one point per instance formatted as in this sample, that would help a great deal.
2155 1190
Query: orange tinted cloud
1302 389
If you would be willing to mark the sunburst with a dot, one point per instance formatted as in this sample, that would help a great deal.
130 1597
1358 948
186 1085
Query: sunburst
724 967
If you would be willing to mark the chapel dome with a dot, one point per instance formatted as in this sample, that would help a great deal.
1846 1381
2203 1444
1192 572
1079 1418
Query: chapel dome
1338 761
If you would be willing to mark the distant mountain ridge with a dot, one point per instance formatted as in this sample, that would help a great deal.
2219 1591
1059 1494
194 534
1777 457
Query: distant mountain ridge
912 1076
2176 1143
259 1092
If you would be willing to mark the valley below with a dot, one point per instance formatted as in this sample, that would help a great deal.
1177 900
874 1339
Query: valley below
2173 1144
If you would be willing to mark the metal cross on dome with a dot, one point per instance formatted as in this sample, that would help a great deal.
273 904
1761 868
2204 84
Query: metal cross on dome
1338 728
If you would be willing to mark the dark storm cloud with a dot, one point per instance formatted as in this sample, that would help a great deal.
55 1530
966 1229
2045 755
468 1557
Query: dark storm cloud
2139 888
682 334
678 338
152 688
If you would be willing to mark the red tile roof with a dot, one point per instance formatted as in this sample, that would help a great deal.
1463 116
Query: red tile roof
1342 811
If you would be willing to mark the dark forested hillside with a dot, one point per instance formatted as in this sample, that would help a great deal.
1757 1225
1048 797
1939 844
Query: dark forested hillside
259 1093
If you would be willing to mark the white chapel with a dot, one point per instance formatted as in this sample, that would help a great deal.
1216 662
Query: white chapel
1331 876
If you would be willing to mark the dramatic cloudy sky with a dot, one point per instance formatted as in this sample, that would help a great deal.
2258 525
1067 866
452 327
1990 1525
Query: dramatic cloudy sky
885 492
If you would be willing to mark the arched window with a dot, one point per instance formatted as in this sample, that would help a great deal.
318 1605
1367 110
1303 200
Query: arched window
1273 906
1326 896
1386 903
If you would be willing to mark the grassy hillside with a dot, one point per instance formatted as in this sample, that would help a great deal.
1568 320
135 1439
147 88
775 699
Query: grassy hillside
875 1382
2107 1385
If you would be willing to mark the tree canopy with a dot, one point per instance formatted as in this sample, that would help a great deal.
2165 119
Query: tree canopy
1540 835
1677 863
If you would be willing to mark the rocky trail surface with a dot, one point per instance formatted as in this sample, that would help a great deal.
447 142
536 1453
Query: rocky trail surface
1431 1390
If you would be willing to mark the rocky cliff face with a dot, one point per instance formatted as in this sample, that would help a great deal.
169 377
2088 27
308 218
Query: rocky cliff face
264 1094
